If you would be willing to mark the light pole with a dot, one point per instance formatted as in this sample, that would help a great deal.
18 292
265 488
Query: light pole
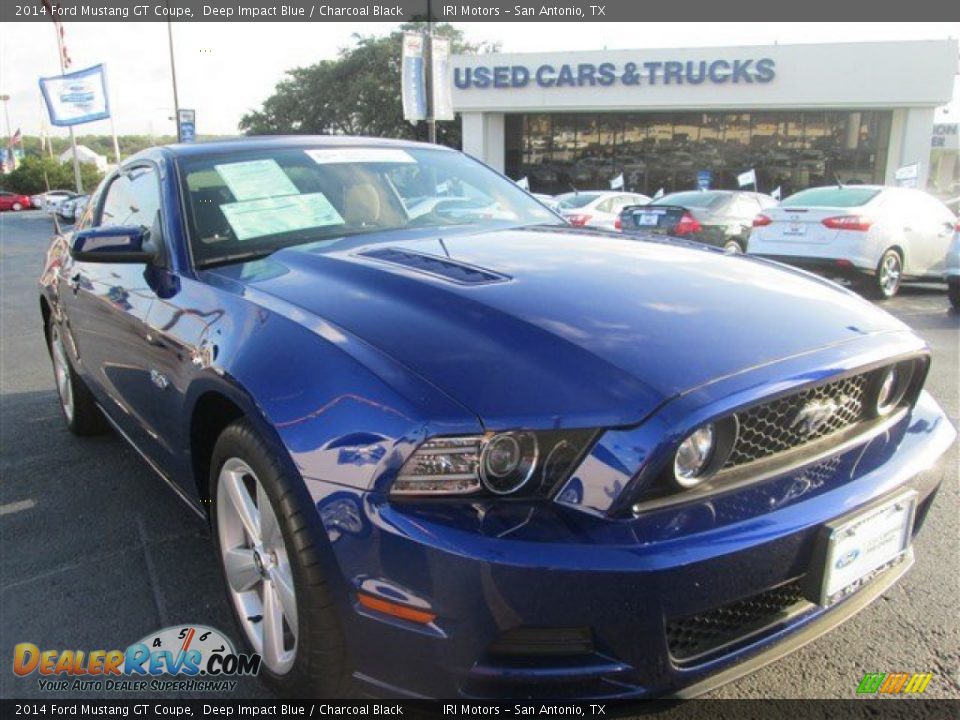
173 73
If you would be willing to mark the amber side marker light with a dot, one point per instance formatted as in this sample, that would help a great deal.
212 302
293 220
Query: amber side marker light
404 612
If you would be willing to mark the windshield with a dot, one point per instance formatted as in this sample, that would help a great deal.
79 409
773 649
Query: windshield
250 203
840 197
575 200
692 199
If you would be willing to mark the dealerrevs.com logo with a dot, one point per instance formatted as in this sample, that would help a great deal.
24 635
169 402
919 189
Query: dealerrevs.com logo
179 658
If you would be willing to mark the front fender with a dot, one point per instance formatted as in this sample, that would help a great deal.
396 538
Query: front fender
344 412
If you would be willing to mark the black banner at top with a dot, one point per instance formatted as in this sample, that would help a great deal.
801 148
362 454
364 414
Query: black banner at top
476 11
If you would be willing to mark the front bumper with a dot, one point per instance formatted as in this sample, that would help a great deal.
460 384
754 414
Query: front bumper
488 569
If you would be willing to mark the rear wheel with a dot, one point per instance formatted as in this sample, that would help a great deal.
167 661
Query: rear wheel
268 538
80 411
733 247
886 281
953 292
17 206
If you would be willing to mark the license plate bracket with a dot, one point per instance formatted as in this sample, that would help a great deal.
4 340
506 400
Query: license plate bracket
851 550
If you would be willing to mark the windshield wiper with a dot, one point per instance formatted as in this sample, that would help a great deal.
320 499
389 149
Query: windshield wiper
235 258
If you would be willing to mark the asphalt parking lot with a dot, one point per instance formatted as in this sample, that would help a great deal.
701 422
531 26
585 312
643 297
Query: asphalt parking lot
95 552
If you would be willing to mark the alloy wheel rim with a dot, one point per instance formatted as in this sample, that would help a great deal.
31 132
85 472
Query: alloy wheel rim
733 248
61 370
257 566
890 274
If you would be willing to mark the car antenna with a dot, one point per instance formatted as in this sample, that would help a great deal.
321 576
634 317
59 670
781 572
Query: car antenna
837 178
574 188
444 246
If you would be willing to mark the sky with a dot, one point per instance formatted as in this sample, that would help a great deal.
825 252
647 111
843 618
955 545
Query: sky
227 69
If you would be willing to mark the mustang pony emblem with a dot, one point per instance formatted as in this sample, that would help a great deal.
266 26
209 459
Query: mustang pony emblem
815 414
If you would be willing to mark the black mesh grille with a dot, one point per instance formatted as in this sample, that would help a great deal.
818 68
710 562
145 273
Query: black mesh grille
789 421
450 269
696 635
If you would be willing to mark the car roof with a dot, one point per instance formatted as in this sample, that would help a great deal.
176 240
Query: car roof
258 142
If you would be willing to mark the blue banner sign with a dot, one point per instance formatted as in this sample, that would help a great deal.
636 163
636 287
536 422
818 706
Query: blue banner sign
607 74
77 97
413 82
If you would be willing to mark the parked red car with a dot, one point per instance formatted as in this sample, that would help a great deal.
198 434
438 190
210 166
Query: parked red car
13 201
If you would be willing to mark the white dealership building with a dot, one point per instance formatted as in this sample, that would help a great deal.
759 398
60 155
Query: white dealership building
800 115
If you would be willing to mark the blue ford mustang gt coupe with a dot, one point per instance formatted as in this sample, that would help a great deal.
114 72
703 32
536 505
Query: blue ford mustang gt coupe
450 446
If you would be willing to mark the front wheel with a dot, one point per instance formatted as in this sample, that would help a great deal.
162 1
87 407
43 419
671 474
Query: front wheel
886 281
953 292
80 410
17 206
268 538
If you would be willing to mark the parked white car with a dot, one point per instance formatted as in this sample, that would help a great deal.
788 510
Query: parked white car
881 235
50 201
596 208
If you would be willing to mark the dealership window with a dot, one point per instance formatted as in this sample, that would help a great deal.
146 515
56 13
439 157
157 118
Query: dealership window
792 149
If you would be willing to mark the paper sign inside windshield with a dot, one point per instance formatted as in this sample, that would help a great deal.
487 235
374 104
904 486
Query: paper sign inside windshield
270 216
256 179
328 156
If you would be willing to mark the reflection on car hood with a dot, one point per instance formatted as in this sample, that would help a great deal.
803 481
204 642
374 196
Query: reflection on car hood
523 325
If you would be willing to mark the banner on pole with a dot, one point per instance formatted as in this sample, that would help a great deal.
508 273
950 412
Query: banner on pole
187 126
747 178
413 92
76 98
908 175
442 79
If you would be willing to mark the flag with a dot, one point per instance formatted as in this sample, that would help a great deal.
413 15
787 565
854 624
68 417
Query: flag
77 97
747 178
775 193
658 194
61 37
617 182
16 138
524 183
442 87
412 83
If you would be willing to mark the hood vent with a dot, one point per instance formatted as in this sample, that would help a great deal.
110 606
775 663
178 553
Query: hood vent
452 270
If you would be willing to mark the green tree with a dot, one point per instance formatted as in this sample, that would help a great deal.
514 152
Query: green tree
358 93
37 174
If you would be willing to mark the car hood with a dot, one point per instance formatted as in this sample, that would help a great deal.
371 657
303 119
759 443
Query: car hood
568 327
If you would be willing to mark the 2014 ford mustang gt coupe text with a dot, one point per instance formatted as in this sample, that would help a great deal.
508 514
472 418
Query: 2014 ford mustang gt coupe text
451 446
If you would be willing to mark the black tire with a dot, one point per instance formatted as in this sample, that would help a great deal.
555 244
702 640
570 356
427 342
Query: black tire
80 411
886 281
320 667
953 292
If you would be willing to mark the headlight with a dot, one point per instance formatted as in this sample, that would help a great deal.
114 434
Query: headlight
694 455
521 462
442 466
507 462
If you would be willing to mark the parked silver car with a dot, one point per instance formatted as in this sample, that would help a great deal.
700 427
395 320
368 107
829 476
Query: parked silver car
953 269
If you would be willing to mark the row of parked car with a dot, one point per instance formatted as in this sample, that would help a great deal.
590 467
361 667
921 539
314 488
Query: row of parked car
875 235
66 205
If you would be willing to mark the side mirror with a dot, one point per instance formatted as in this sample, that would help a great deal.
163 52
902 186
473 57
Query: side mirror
119 244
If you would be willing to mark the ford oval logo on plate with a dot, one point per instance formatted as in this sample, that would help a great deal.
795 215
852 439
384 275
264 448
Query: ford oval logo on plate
847 558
